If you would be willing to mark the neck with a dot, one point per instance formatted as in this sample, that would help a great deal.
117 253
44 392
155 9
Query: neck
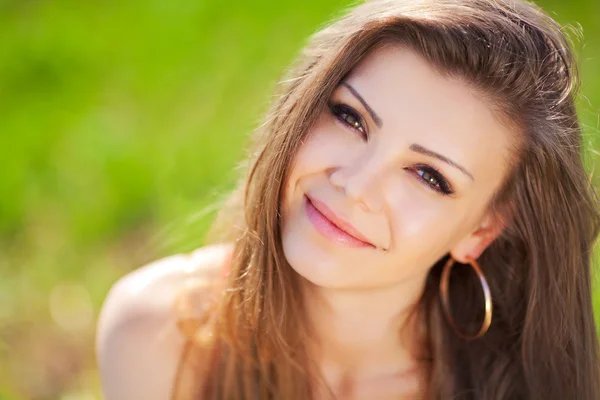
365 333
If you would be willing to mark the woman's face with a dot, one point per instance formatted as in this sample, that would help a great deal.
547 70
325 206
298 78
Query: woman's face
409 159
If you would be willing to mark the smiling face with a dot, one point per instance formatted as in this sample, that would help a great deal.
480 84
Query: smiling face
405 160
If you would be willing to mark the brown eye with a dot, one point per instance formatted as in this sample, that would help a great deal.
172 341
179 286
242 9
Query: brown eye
433 179
429 178
349 117
352 120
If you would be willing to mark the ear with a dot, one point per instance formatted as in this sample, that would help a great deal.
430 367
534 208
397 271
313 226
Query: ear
490 227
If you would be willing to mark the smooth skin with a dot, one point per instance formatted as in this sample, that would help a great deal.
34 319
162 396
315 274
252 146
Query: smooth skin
138 344
408 157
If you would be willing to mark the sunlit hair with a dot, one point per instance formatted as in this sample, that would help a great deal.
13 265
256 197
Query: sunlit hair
251 341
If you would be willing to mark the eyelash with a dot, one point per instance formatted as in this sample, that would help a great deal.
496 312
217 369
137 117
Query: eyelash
339 109
443 187
442 184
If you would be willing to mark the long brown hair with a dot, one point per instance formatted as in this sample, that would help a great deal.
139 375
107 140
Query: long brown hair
542 342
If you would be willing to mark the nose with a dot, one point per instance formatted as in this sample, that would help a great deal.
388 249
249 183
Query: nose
359 182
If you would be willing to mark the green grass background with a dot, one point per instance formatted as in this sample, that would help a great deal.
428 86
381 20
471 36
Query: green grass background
120 122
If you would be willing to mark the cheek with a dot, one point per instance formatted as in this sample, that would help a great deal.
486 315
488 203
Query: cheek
423 225
416 223
324 147
426 228
414 209
308 160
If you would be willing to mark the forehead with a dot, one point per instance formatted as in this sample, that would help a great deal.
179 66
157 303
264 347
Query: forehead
419 105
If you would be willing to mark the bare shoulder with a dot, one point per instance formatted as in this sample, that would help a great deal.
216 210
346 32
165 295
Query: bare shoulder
138 345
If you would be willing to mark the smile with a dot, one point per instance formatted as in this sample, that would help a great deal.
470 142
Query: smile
332 227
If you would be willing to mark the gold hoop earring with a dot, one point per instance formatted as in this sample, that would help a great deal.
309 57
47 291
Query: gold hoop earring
487 321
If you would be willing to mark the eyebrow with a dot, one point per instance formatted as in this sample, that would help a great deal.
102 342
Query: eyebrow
422 150
366 105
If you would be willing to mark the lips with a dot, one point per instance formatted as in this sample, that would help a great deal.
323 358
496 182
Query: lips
337 221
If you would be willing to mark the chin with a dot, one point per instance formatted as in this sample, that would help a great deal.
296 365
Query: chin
311 263
320 262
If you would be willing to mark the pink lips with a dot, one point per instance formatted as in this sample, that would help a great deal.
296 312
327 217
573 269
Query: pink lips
332 227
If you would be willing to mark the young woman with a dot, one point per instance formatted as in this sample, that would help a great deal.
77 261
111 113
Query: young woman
416 223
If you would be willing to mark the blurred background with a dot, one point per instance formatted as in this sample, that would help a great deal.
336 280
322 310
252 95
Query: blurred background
120 125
